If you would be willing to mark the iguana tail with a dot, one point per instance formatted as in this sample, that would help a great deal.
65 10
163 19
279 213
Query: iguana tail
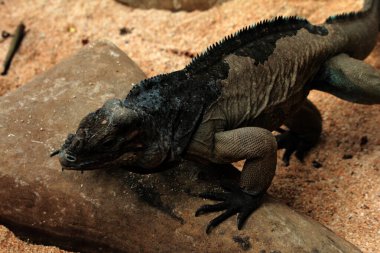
345 75
377 4
358 28
370 7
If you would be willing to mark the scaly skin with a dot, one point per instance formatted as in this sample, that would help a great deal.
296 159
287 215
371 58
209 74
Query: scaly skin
223 106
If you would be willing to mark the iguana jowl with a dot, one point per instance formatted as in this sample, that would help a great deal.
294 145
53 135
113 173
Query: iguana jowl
222 107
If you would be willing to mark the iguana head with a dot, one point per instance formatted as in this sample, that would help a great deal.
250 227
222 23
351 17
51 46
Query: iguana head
112 135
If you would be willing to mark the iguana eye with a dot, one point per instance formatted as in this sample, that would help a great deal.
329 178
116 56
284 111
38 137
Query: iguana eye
109 143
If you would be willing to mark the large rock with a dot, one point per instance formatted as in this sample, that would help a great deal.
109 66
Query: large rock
113 210
173 5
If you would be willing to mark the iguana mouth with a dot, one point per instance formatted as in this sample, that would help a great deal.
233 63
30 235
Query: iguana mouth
70 162
90 165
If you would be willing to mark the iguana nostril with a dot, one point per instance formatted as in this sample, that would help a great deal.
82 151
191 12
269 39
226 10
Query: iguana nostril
70 158
69 138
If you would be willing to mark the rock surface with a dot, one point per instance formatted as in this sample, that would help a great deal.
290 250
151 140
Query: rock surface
173 5
116 211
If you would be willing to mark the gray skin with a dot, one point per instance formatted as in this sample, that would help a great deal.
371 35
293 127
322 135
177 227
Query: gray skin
224 105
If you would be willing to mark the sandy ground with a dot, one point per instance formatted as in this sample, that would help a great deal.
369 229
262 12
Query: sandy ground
344 194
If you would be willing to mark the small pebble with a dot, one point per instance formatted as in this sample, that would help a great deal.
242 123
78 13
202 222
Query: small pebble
347 156
125 31
85 41
316 164
71 29
5 34
364 206
243 242
363 140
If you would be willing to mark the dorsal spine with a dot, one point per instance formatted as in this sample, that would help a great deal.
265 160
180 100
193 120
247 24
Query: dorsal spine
367 8
246 35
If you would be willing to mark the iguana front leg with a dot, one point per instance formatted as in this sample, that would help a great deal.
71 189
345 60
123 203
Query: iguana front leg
256 145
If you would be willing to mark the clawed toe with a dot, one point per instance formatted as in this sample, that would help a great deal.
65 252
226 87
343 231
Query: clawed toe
234 201
219 219
293 144
211 208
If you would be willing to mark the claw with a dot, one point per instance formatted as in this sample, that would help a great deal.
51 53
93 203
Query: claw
300 154
241 218
211 208
291 142
218 196
281 130
219 219
234 201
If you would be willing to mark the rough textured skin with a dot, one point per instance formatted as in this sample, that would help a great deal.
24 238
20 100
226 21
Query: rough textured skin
258 146
223 106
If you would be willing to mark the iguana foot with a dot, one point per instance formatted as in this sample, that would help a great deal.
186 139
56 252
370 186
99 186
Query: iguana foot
234 201
292 142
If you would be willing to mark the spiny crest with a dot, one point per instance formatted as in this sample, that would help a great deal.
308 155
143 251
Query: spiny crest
351 15
245 35
161 81
345 17
146 84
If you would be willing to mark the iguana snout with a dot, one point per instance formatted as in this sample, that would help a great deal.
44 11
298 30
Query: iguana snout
103 137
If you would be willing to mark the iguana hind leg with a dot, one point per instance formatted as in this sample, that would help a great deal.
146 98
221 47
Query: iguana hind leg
258 147
305 127
349 79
